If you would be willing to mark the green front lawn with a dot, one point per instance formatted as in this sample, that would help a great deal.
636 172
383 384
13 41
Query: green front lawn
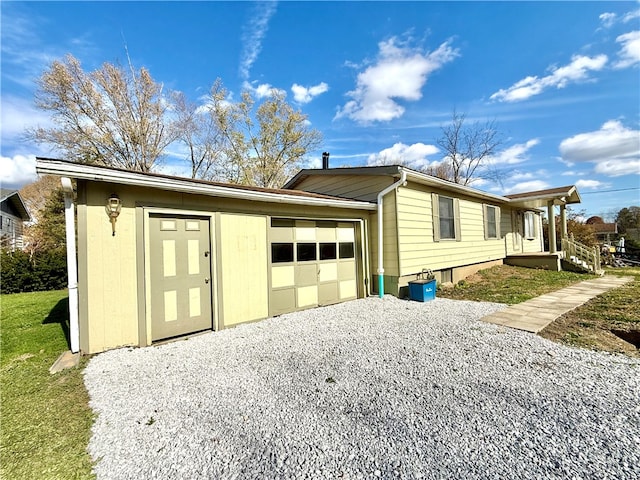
510 285
45 420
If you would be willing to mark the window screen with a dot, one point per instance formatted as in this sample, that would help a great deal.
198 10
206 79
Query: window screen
491 220
447 218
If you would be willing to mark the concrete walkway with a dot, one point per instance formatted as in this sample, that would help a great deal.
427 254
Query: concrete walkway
535 314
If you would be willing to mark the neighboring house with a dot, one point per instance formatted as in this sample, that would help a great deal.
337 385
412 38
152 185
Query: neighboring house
172 256
605 232
13 214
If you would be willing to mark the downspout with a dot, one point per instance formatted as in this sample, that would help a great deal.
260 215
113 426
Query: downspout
401 182
72 264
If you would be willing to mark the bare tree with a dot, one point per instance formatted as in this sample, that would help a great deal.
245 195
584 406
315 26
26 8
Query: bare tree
110 116
468 150
197 128
264 148
36 193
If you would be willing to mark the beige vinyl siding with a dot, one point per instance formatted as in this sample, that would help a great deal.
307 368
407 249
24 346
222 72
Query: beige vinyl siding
108 283
390 239
357 187
417 247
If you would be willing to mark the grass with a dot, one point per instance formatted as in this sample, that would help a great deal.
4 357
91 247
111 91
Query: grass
45 420
609 322
510 285
591 325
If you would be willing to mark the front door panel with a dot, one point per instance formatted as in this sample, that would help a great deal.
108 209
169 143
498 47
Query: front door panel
180 275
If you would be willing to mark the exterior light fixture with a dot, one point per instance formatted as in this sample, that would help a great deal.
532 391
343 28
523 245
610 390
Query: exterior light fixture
113 207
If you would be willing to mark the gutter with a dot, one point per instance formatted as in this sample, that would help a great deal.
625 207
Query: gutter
72 264
400 183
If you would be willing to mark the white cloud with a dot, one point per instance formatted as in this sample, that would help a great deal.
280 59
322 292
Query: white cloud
516 153
400 72
607 19
413 156
627 17
305 95
613 140
17 171
592 184
253 34
614 149
577 70
314 162
630 49
530 186
263 90
618 168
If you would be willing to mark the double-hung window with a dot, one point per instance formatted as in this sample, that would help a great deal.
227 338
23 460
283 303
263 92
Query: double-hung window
446 218
491 222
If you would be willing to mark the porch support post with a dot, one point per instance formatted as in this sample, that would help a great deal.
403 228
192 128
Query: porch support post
563 221
552 227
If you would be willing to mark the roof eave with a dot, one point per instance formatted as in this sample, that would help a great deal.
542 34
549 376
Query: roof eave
88 172
425 179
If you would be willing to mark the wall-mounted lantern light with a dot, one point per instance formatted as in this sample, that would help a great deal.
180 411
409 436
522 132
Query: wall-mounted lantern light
113 207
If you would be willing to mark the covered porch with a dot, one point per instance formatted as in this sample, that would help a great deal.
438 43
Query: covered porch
564 252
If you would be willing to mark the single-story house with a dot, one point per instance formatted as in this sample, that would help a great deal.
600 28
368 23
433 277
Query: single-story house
13 214
160 256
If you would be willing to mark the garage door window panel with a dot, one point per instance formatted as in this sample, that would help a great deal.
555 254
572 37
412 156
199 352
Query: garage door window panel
347 250
306 252
328 251
281 252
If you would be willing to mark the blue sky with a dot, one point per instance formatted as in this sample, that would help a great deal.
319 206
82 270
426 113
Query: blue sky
377 79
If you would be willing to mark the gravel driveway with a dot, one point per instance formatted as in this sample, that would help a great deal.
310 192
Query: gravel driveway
366 389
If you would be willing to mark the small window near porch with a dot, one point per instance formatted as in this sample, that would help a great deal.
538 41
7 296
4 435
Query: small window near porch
529 225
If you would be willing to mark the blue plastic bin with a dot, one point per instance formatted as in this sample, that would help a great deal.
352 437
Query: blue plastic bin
422 290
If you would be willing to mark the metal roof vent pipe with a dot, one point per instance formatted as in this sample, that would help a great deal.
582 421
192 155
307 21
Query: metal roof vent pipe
325 160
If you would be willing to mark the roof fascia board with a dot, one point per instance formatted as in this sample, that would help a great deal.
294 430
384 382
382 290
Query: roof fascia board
88 172
446 185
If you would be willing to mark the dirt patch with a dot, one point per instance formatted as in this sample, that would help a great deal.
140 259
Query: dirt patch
576 330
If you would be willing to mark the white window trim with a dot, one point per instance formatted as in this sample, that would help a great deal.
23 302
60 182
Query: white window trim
485 213
435 211
530 233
